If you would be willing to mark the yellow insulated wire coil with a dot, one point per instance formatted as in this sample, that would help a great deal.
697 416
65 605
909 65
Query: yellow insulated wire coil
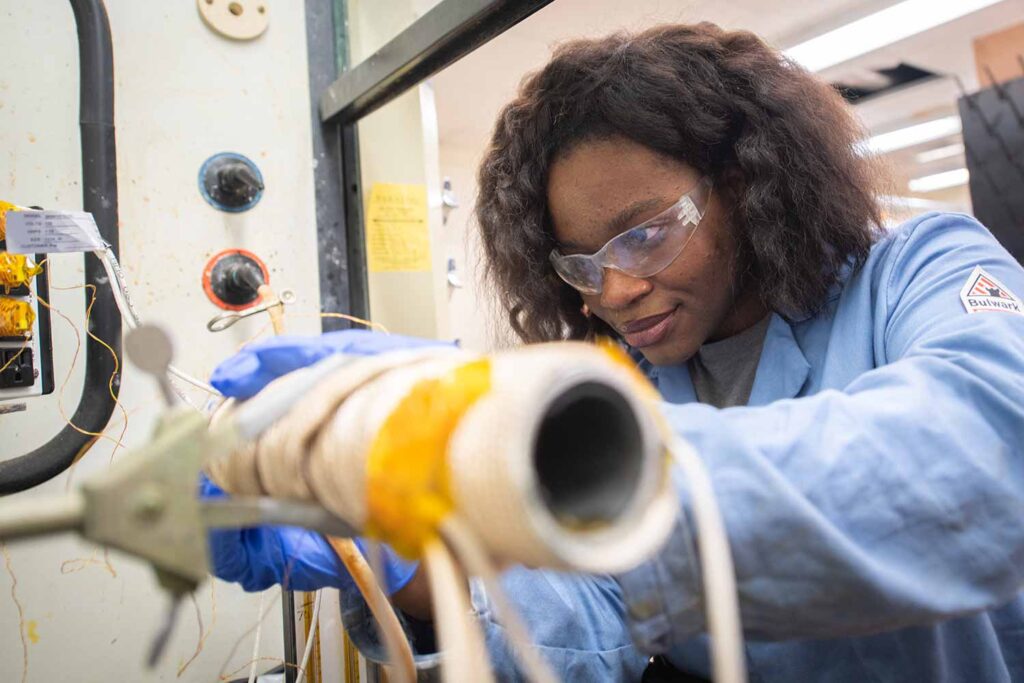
16 317
16 270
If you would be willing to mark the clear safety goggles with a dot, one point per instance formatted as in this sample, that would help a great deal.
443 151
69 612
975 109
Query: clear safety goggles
643 251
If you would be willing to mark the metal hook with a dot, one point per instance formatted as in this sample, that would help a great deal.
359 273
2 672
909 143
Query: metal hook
221 322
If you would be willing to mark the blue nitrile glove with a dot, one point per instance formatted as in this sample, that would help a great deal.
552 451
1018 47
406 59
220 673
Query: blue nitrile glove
297 558
255 366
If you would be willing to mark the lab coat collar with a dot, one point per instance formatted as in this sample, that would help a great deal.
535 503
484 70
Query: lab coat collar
781 373
783 369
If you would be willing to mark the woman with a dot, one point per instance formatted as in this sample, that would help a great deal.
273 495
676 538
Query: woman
856 393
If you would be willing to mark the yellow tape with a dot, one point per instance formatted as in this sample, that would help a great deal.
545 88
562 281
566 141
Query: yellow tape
408 483
16 270
16 317
4 208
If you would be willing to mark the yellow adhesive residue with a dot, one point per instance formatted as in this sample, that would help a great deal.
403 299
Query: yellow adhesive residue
16 317
408 485
16 270
397 233
30 629
621 359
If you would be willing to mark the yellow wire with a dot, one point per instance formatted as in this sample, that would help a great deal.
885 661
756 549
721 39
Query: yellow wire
343 316
352 318
21 610
14 357
74 359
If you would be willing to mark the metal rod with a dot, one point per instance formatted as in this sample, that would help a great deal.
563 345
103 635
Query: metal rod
240 513
446 33
325 46
355 231
28 517
291 650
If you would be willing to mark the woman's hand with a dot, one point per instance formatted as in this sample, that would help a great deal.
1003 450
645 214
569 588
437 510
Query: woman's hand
244 374
298 559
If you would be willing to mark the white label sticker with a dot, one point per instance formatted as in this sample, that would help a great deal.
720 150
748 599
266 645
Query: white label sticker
48 232
982 292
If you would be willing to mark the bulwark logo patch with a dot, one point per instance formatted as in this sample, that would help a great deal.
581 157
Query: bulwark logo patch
983 292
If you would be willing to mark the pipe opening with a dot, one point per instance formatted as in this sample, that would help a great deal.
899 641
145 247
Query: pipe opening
588 455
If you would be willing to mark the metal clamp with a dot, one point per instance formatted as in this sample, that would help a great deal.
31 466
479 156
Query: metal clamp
223 321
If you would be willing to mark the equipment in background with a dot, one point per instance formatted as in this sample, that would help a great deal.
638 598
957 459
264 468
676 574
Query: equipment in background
235 19
232 278
99 198
238 281
993 131
26 351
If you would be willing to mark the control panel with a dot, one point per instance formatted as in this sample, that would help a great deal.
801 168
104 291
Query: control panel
26 351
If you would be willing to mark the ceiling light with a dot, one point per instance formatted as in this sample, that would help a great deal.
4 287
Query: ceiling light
914 135
940 181
908 202
940 153
877 30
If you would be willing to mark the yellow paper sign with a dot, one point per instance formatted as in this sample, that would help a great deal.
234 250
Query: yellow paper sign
397 234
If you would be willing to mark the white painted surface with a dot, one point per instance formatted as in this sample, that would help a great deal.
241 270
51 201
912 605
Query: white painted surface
183 94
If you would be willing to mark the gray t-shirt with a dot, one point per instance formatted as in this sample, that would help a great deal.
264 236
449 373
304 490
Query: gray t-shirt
723 371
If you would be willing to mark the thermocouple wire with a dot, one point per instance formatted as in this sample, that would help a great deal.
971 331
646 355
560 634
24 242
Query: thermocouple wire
131 316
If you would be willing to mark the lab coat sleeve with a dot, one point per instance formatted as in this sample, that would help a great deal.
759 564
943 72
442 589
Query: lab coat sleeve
576 622
894 502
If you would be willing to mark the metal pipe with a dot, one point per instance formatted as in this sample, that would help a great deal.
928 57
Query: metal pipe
446 33
99 188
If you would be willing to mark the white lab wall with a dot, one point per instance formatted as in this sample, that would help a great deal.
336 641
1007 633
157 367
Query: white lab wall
183 93
398 143
474 315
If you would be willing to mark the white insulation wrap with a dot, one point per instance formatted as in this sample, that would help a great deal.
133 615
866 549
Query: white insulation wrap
337 464
559 464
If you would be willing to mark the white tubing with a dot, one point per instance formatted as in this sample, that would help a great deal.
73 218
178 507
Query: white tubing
310 638
721 600
464 656
256 639
471 555
497 478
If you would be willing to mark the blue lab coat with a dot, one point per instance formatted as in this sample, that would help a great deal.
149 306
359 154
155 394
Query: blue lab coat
872 490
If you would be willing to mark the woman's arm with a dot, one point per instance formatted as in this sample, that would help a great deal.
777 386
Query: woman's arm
577 623
896 501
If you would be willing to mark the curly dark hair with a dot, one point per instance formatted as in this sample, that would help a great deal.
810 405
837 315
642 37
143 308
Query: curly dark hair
778 142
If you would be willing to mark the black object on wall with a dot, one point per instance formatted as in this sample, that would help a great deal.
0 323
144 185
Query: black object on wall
993 132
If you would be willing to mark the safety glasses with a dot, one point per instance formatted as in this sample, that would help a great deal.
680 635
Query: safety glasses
643 251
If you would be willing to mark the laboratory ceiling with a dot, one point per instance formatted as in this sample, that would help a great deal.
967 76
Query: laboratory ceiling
471 92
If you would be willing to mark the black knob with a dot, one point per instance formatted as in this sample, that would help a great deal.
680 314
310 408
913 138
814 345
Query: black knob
238 184
234 279
231 182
